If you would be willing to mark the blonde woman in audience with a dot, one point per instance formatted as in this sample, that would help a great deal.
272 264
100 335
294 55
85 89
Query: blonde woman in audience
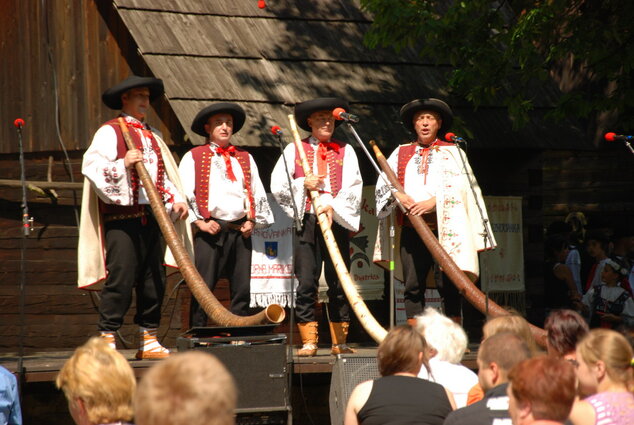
605 380
399 396
99 384
191 388
447 343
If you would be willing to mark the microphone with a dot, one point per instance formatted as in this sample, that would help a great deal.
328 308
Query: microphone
450 137
18 123
613 137
341 114
276 130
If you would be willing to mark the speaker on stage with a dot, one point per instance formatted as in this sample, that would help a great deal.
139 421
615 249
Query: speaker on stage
349 371
259 366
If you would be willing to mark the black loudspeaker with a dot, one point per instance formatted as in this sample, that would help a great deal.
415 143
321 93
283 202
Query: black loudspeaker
349 371
260 369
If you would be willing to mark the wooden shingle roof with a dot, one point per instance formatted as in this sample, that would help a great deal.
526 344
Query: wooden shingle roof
294 50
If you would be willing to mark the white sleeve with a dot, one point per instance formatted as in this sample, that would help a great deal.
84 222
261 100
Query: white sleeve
263 212
280 187
347 204
383 191
187 172
108 175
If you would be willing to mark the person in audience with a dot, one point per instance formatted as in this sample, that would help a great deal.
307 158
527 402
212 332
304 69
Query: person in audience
511 322
399 396
605 380
98 383
447 342
191 388
541 391
10 411
497 355
560 290
598 247
577 259
564 328
608 305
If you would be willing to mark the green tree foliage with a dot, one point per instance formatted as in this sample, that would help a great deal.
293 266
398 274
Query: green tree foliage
500 50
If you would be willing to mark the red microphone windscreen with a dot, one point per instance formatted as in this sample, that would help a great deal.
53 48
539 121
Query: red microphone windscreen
19 123
275 129
449 137
610 136
337 113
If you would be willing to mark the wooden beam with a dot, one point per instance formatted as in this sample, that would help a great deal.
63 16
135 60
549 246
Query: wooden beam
43 184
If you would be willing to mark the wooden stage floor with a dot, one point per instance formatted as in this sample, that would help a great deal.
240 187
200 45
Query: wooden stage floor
44 366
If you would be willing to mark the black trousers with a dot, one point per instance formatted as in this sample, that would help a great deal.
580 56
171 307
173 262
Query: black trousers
417 261
226 252
134 261
310 251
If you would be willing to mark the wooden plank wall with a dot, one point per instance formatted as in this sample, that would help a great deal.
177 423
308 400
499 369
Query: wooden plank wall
598 183
58 57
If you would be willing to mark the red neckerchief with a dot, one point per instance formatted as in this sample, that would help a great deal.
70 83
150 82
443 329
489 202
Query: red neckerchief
424 163
322 154
226 153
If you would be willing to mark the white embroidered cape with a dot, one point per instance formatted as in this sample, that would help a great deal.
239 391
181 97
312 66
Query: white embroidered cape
91 251
460 225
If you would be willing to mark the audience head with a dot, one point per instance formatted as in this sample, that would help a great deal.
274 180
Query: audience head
98 383
402 350
541 388
605 359
191 388
556 247
511 323
443 336
497 356
564 328
597 244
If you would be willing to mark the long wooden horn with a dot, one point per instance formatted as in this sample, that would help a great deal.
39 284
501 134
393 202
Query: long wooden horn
367 320
458 277
274 313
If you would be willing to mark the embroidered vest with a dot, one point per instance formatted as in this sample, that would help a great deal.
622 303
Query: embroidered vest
122 149
202 156
334 161
405 153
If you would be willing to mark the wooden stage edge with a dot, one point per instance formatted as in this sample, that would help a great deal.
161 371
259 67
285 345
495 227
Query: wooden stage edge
44 366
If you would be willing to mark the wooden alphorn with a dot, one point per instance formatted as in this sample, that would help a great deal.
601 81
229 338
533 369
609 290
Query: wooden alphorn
458 277
367 320
274 313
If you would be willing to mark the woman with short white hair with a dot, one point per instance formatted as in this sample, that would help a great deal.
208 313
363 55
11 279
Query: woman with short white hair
448 343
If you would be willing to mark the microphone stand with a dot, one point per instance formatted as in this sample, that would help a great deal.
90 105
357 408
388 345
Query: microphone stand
296 227
486 235
27 226
391 230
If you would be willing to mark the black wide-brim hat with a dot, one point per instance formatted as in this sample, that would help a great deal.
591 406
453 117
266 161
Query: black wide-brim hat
233 109
305 109
409 110
112 96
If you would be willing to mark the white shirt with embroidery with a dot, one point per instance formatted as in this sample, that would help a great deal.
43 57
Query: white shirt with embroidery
419 185
346 205
108 175
227 199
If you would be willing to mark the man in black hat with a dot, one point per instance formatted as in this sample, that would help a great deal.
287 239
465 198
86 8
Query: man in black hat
115 208
437 187
227 201
337 178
